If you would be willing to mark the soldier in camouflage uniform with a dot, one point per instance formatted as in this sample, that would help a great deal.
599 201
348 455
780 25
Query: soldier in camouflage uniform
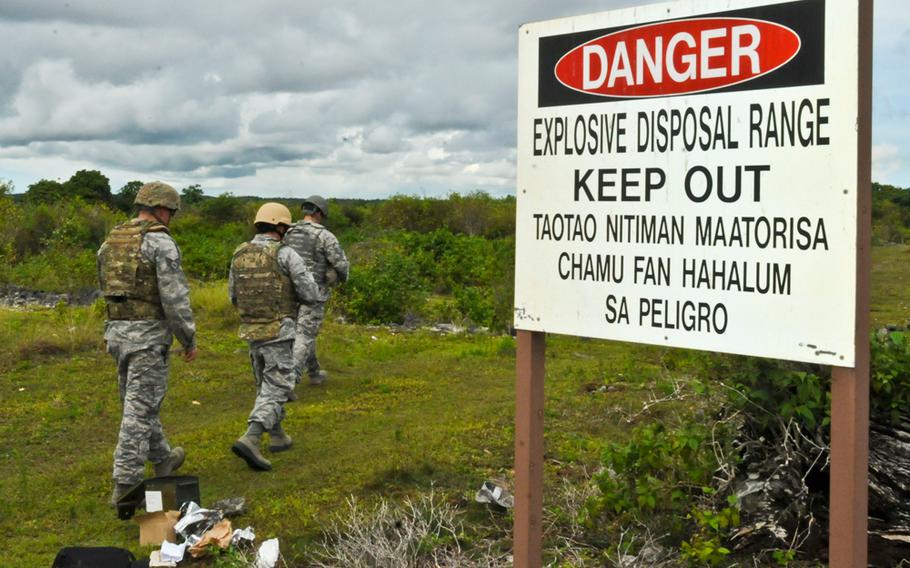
148 304
267 283
323 255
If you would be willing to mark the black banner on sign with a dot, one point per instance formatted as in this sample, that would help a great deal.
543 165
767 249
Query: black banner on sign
806 18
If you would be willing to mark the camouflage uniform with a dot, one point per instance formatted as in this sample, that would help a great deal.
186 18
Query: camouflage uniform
271 342
148 304
322 253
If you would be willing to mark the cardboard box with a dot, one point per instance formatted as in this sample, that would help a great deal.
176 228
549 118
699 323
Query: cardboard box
157 527
171 492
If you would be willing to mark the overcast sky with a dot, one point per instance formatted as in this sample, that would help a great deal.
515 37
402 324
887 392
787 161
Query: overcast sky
293 97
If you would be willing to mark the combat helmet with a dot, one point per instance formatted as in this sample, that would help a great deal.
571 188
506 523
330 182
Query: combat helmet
273 214
158 194
317 202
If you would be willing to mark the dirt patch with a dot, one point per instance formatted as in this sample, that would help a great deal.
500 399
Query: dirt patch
40 348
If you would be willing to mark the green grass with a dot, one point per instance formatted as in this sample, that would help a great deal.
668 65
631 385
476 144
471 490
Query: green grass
890 285
401 412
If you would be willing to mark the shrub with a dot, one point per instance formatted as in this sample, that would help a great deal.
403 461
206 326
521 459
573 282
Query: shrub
384 286
224 209
414 534
476 303
206 246
478 272
57 270
713 528
890 379
658 468
474 214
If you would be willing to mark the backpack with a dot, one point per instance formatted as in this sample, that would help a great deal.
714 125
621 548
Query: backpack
94 557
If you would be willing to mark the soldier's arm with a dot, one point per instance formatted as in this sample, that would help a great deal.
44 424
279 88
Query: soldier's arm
98 266
334 254
174 291
231 293
304 285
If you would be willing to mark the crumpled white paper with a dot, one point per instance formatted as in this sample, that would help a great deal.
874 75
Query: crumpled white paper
171 552
241 535
267 556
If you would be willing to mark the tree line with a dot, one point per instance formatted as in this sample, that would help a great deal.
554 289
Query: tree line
447 258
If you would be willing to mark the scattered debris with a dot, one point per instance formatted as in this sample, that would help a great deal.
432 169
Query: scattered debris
157 527
446 328
157 560
268 553
196 522
243 537
199 530
19 297
230 507
493 492
171 552
219 535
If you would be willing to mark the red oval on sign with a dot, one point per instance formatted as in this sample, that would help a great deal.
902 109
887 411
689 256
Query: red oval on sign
673 58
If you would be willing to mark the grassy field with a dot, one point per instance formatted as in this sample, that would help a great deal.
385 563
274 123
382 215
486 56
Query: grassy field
402 412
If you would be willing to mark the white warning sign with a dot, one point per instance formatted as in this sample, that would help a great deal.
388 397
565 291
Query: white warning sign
687 177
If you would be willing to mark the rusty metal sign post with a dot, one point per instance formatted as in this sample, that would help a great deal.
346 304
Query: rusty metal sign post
849 489
606 207
529 405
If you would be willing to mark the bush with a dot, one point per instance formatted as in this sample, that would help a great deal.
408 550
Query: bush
206 248
890 379
475 214
383 287
478 272
659 468
225 209
418 533
57 270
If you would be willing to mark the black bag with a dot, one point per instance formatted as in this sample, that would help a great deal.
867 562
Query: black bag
93 557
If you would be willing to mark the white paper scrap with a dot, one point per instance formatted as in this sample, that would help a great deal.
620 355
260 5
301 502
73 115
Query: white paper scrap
172 552
155 561
153 501
267 556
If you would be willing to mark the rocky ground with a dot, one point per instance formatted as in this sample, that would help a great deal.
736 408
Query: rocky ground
17 296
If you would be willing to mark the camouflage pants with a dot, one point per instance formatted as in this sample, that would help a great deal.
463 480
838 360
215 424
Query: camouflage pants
275 373
142 376
309 320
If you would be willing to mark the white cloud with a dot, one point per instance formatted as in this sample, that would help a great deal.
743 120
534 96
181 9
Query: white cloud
886 161
54 104
349 98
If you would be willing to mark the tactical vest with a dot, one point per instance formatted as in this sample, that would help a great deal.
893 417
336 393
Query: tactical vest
304 239
264 295
129 283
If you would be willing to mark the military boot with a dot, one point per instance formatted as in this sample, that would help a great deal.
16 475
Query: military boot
317 378
279 442
120 489
247 448
171 463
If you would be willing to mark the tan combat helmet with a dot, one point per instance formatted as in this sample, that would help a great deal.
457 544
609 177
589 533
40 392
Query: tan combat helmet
158 194
273 214
319 203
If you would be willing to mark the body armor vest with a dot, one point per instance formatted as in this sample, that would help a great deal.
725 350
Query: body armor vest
304 239
129 283
264 295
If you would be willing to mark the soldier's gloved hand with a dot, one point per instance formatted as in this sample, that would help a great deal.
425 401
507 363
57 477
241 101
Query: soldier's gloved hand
331 277
188 356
